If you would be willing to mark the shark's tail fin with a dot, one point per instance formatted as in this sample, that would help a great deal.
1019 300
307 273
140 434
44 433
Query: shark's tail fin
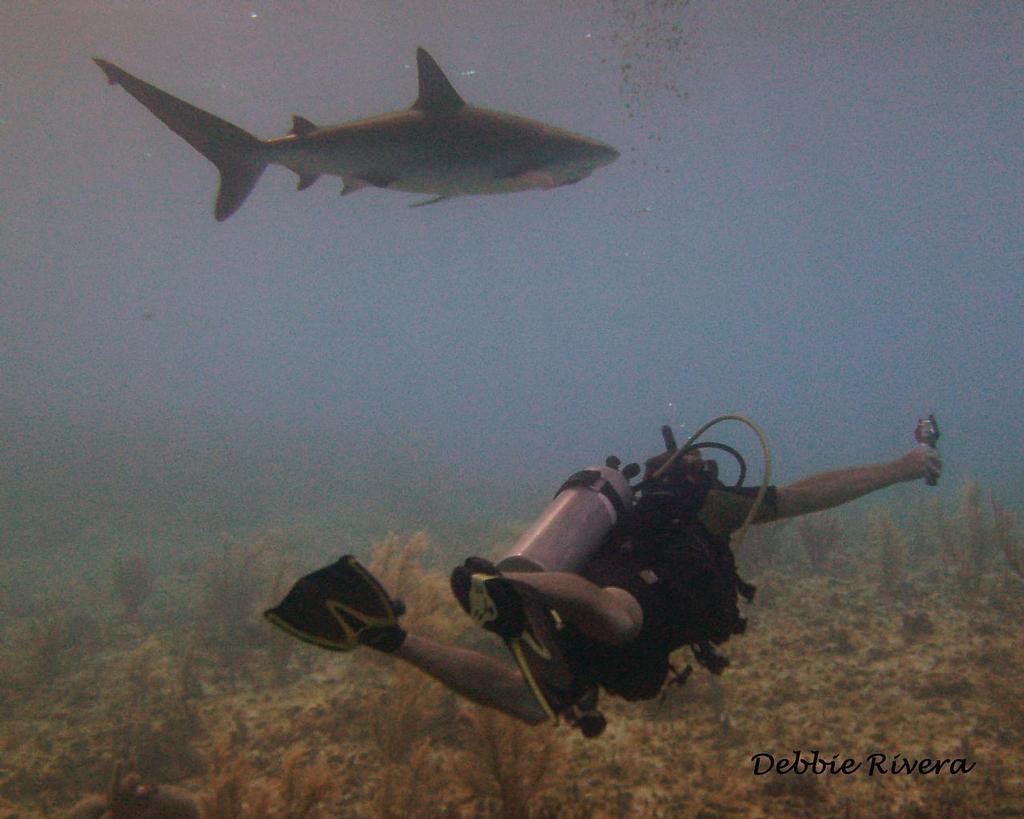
238 155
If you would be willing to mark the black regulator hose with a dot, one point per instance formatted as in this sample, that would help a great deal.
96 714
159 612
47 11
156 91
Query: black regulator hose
725 448
755 507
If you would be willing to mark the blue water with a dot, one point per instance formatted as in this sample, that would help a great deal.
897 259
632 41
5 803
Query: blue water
815 221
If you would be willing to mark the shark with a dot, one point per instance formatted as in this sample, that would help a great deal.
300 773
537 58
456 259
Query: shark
439 146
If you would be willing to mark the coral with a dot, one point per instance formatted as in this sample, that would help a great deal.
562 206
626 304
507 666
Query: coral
239 580
805 787
837 639
17 598
232 595
510 762
233 794
301 787
967 541
1009 546
1002 689
8 588
45 648
133 582
974 529
953 552
426 594
921 535
411 789
821 536
229 780
403 712
296 793
916 626
286 658
892 553
943 686
129 798
8 810
762 547
153 722
9 692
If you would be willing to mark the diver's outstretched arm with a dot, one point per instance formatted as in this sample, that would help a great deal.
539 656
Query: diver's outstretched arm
474 676
825 490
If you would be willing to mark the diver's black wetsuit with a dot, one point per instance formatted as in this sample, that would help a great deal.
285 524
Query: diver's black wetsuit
677 563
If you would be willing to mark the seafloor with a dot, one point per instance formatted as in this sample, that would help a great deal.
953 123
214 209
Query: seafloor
866 637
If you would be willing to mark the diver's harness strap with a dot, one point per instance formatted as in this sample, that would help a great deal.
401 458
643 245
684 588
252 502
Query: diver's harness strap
583 712
592 479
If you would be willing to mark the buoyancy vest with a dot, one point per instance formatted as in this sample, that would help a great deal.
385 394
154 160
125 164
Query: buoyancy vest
675 559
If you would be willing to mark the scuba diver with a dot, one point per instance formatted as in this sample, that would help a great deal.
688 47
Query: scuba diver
602 588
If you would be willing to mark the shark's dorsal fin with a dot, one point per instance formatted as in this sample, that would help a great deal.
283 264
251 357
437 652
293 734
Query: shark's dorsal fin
437 95
301 126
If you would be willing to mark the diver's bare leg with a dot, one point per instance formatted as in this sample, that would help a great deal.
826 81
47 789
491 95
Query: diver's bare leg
475 676
608 615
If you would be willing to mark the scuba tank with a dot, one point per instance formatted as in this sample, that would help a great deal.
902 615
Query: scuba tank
576 523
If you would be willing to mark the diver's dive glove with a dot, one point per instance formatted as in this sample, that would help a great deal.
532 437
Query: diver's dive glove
341 607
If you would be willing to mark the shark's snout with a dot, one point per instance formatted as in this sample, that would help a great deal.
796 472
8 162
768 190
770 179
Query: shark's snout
607 154
596 154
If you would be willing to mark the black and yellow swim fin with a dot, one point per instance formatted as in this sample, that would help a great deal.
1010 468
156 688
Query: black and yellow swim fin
340 607
538 652
530 629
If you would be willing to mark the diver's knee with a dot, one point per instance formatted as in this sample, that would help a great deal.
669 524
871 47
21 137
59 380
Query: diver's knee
626 614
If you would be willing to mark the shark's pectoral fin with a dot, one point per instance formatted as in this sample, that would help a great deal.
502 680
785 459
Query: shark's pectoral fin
303 127
525 178
353 183
436 199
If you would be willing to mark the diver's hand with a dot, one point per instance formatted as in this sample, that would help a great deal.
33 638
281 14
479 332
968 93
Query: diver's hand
921 462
